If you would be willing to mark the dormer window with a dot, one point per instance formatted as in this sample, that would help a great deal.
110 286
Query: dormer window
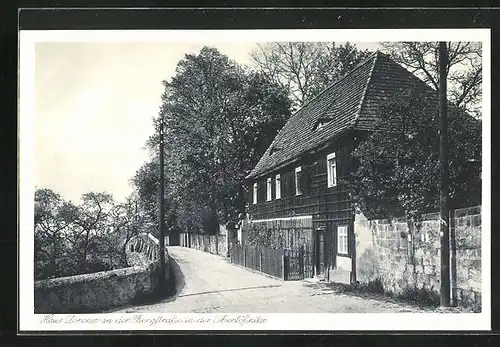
274 149
320 124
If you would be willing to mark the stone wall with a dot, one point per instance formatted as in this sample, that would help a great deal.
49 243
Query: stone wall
104 290
405 257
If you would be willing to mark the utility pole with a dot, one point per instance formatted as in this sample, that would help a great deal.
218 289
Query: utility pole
443 156
162 206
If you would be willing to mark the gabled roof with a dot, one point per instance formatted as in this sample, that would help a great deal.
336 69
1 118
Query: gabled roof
351 102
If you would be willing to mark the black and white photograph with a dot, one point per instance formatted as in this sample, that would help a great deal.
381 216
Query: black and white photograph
254 180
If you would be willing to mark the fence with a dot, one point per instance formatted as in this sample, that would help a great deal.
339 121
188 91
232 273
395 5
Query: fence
289 264
145 244
215 244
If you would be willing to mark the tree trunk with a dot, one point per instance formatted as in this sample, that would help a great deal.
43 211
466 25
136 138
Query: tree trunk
85 250
53 260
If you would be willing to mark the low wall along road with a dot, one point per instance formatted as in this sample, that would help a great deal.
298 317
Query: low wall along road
107 289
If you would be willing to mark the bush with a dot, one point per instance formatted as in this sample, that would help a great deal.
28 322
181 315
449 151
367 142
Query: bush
374 287
421 296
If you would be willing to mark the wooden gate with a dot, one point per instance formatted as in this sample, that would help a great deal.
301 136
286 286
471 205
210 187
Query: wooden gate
298 263
292 264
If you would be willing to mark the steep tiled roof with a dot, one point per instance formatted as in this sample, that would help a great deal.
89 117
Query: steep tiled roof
350 103
387 79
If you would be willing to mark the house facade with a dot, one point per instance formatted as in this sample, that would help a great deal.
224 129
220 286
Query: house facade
297 182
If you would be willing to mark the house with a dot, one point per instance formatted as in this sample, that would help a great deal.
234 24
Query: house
295 185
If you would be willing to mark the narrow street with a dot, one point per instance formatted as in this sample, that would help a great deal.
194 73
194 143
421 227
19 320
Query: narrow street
213 285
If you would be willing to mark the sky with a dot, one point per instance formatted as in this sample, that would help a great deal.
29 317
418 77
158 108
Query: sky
94 104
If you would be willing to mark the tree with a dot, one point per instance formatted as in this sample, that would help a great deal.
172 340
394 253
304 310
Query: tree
75 239
146 199
464 68
124 222
304 69
130 219
398 163
145 182
215 114
92 220
53 217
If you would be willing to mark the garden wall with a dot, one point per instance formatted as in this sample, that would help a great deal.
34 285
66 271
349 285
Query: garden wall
404 257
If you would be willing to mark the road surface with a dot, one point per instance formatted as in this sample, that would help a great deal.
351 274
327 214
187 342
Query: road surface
213 285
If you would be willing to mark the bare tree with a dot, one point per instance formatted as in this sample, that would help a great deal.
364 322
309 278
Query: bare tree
463 70
305 68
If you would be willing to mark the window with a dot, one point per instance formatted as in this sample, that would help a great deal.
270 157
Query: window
278 186
342 240
331 166
255 193
298 179
321 123
269 189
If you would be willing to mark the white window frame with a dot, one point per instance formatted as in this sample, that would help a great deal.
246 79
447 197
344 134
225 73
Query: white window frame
332 174
342 240
277 181
269 193
297 170
255 193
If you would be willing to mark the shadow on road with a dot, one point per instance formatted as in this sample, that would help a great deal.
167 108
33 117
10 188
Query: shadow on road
230 290
177 280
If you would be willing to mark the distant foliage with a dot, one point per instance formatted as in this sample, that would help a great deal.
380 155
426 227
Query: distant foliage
76 239
398 163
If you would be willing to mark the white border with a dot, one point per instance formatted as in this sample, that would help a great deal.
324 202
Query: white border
28 321
248 36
